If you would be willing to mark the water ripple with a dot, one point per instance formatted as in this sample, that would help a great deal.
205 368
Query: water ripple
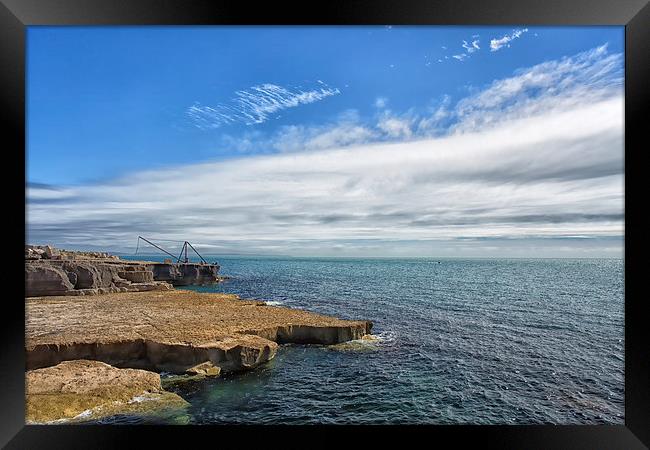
464 341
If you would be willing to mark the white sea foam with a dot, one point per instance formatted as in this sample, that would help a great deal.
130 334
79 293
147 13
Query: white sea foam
84 414
141 398
385 337
274 303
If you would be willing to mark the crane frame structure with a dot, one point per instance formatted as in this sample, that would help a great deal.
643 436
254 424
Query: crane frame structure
181 258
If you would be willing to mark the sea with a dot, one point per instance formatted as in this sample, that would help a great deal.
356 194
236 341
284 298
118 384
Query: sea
459 341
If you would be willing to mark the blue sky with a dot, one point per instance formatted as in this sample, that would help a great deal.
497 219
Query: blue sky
108 106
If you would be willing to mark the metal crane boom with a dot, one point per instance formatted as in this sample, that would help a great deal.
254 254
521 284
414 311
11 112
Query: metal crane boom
177 258
159 248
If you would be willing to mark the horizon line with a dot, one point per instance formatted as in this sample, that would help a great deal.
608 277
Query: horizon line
242 255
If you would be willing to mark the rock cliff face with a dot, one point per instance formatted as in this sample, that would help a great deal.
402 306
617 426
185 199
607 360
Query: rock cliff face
50 271
185 274
59 277
41 279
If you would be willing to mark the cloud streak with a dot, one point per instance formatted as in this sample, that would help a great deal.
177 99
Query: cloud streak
497 44
554 176
471 48
547 165
552 86
256 105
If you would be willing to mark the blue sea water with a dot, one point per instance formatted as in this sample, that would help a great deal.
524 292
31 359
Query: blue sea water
461 341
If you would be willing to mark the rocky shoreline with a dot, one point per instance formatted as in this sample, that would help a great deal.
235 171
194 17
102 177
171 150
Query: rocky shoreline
78 339
52 271
75 391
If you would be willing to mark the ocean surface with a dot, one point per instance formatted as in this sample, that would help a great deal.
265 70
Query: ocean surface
473 341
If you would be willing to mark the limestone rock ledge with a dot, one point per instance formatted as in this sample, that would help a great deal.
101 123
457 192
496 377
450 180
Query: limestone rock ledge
55 277
228 354
172 331
51 271
81 390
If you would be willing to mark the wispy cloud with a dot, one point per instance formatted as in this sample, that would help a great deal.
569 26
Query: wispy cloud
395 127
46 193
381 102
556 85
547 164
496 44
344 132
553 176
472 47
256 104
347 130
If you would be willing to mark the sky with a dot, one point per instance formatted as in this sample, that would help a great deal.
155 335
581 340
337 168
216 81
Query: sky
397 141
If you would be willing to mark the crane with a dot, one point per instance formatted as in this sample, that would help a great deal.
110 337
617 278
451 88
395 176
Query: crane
182 257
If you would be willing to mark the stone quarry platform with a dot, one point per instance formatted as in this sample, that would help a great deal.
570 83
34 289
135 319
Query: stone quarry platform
173 331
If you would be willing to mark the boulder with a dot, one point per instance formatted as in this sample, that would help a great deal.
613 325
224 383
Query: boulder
44 279
51 252
81 390
91 275
88 276
33 253
206 368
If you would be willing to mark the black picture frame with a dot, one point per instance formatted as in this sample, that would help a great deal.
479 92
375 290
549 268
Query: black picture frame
16 15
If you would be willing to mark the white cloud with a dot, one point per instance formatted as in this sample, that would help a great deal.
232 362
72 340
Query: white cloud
496 44
256 104
296 138
346 130
535 156
432 124
556 85
471 48
395 127
381 102
553 175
